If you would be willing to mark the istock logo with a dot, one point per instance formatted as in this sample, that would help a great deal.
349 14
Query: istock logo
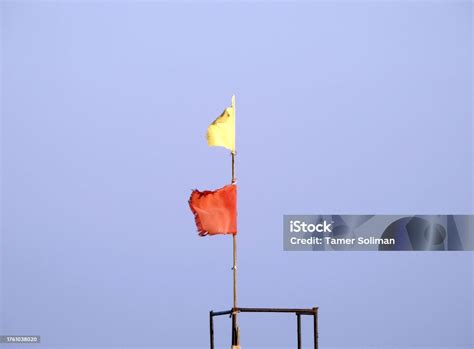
300 226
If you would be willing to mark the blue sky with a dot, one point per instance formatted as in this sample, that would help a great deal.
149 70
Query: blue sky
342 107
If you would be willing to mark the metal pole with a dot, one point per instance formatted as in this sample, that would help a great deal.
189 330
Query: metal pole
233 167
211 328
235 327
298 321
234 239
234 331
315 324
234 246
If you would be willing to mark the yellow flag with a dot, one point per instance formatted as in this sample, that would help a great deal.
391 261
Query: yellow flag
221 133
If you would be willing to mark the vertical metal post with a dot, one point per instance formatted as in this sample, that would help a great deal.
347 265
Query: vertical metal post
235 326
234 330
234 269
211 328
233 167
315 327
298 321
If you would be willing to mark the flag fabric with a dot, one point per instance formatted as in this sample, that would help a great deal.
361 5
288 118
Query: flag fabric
221 133
215 212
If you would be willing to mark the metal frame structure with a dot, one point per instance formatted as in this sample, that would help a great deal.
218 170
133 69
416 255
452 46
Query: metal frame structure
232 312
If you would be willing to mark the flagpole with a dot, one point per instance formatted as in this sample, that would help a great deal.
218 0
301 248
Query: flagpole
235 328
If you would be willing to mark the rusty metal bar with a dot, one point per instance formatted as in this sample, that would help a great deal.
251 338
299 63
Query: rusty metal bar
315 327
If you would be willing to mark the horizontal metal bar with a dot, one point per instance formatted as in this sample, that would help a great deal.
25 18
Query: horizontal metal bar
278 310
217 313
310 311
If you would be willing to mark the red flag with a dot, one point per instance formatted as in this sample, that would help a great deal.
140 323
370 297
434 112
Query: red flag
215 211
